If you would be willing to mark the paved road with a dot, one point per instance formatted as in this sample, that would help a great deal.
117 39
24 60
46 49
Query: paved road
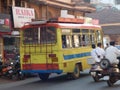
85 82
4 81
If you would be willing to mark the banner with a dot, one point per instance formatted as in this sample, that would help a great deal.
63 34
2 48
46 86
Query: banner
22 16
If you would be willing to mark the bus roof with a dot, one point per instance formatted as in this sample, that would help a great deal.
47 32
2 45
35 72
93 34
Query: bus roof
78 25
62 23
65 25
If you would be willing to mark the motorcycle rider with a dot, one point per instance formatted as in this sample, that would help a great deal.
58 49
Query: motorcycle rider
93 54
112 53
99 51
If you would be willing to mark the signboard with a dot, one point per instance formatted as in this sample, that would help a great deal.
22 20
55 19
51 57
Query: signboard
4 23
22 16
88 20
95 21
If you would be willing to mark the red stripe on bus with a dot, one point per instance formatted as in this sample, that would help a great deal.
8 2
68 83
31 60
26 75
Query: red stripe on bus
40 66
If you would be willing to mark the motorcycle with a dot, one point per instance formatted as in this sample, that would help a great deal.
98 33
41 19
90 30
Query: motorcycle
97 72
6 71
17 74
114 73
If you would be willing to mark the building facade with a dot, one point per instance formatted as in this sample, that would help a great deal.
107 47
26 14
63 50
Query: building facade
38 10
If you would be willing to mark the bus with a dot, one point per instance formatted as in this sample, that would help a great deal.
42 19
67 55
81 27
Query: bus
60 45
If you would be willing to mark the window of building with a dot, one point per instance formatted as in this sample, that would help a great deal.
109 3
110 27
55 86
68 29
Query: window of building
4 6
23 4
10 2
18 3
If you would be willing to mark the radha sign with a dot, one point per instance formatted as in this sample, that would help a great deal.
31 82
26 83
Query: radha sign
22 16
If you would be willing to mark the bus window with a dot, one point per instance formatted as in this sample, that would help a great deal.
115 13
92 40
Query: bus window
48 35
80 40
66 41
85 37
76 31
85 40
64 45
41 35
30 35
66 31
98 35
75 41
92 37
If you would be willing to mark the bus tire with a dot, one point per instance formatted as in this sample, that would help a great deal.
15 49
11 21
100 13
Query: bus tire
44 76
76 72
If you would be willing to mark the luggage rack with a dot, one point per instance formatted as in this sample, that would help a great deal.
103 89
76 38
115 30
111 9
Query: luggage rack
66 20
57 20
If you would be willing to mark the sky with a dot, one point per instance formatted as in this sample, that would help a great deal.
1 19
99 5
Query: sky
107 1
111 2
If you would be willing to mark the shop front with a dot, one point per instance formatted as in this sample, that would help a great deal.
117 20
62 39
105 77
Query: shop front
5 29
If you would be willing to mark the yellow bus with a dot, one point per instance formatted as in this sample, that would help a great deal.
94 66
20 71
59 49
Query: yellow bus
59 46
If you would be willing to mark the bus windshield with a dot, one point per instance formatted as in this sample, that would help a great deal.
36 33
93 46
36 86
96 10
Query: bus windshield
39 35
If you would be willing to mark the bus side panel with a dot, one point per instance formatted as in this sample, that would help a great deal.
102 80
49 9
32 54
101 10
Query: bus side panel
74 56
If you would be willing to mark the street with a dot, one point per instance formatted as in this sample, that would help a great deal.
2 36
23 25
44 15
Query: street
58 82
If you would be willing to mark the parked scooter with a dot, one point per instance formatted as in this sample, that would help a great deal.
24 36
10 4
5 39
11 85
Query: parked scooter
6 70
114 73
17 74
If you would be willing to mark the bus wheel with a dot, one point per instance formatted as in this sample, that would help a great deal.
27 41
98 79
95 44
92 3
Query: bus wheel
44 76
76 73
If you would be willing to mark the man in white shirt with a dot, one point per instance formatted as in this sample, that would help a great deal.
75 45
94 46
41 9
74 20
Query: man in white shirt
112 53
93 54
99 52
